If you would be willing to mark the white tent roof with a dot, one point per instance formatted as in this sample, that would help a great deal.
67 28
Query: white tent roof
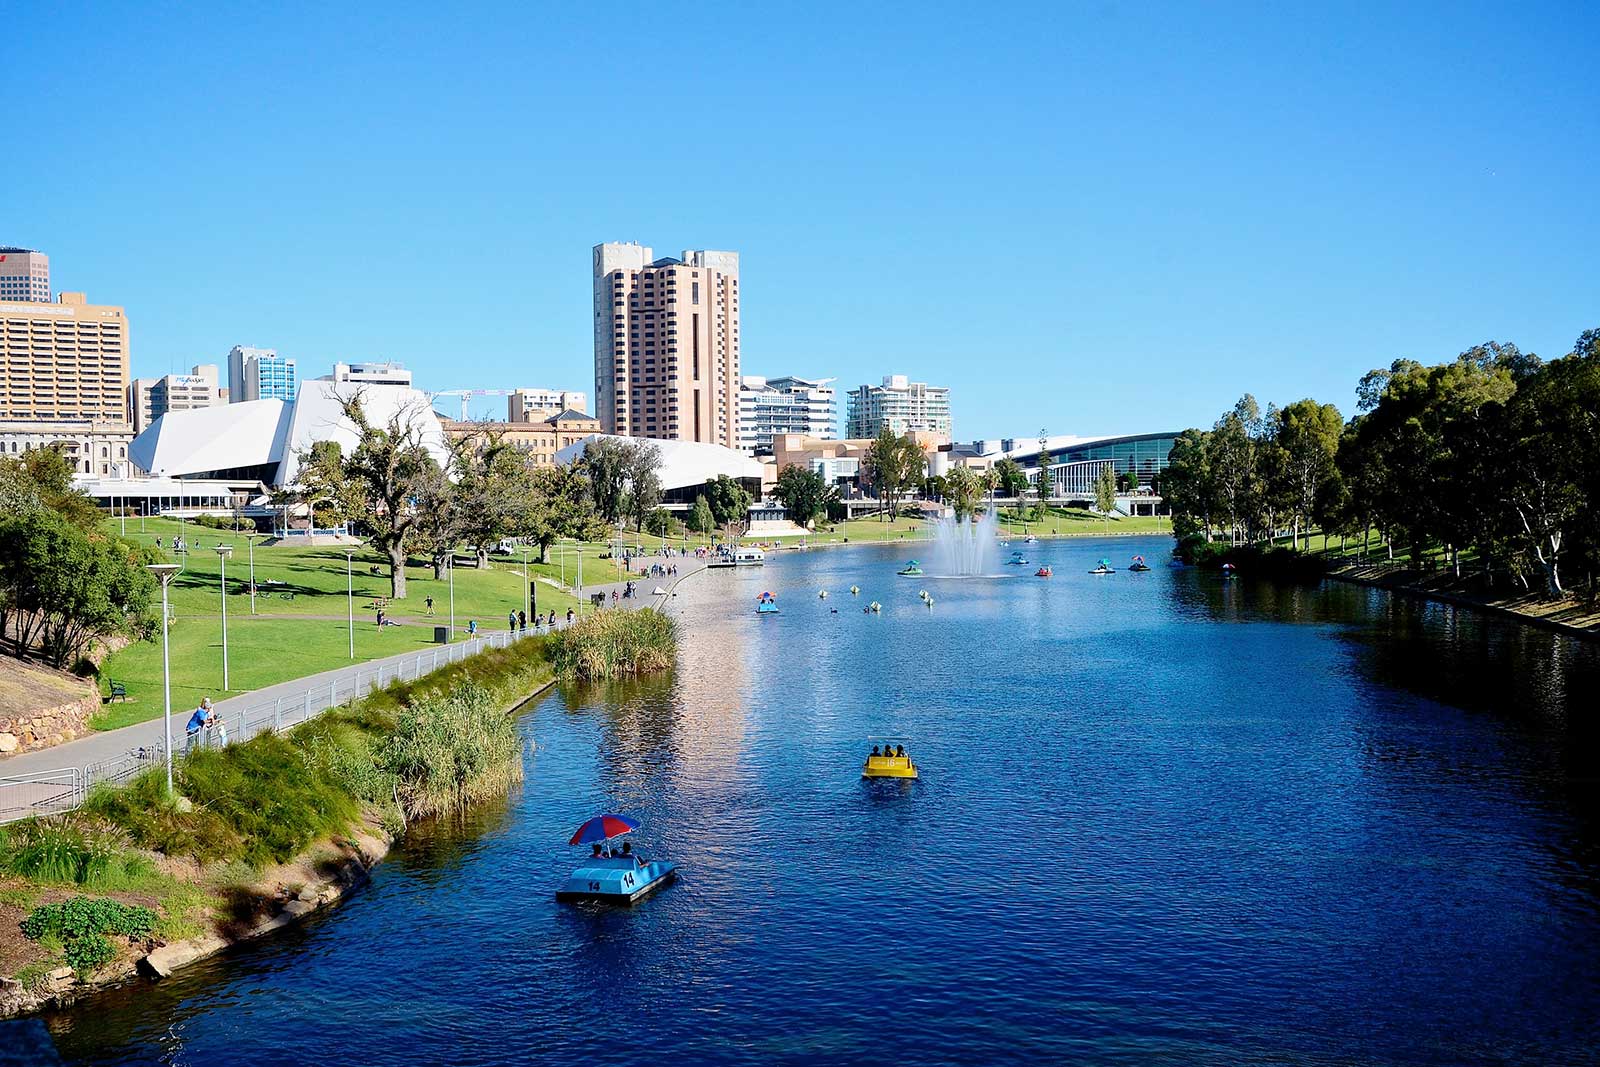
683 463
183 443
255 432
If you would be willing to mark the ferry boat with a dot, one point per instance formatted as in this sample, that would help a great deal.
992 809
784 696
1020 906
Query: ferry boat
613 874
740 557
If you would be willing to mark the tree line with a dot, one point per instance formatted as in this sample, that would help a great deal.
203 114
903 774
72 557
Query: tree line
1492 458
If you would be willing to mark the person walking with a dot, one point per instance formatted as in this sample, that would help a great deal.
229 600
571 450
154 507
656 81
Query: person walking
197 722
522 621
427 604
511 621
569 616
472 627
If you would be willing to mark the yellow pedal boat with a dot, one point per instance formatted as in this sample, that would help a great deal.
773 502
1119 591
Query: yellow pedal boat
889 766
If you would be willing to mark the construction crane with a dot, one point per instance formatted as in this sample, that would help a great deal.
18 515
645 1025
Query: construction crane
466 396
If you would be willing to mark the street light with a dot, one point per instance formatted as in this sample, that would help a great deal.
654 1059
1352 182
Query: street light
165 572
452 594
527 588
350 595
252 539
223 552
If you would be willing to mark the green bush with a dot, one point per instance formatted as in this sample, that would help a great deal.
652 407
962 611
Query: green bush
615 643
68 853
449 752
82 923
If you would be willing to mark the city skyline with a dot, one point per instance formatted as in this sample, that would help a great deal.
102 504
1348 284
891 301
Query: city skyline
1290 198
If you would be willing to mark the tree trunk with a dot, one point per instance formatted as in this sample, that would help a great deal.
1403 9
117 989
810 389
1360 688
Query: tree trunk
438 567
397 570
483 558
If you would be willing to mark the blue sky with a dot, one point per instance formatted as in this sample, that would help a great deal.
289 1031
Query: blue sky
1086 218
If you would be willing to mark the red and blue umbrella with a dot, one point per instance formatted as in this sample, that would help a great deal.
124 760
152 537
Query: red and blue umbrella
602 828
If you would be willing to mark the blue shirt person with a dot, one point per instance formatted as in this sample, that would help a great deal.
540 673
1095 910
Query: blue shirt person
202 715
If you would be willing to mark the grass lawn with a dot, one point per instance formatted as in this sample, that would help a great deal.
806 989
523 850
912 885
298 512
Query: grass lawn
1078 522
293 637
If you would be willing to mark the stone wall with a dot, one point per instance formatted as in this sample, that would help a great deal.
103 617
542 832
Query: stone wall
44 727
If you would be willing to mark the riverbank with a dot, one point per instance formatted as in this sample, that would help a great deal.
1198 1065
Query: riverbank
1568 616
262 833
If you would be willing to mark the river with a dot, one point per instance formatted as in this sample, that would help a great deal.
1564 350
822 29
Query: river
1162 818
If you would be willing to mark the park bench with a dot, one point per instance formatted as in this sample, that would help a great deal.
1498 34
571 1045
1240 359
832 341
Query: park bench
118 692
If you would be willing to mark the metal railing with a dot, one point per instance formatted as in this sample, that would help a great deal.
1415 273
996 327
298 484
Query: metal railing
52 792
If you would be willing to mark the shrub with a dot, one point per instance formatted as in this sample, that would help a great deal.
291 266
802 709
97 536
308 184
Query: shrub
55 850
82 924
615 643
449 752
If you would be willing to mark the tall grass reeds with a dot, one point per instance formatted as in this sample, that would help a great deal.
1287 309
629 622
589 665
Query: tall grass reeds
614 644
452 751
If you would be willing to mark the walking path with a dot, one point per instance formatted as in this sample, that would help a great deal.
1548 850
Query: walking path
114 754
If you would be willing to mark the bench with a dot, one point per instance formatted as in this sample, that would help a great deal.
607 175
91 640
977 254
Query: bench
118 692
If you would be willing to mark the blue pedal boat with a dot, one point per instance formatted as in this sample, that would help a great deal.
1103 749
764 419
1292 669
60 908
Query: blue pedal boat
766 604
613 874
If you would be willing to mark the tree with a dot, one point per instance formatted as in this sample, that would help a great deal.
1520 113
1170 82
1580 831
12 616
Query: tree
440 524
1308 433
729 501
63 587
560 506
658 523
1105 491
893 466
1188 486
1010 479
605 463
329 497
644 481
963 489
701 520
493 489
805 494
1043 486
385 473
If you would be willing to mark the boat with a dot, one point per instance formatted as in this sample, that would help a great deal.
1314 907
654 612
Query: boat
1043 572
613 874
875 607
898 765
740 557
912 569
1138 564
1030 540
855 590
822 594
1104 567
1017 560
1229 571
766 604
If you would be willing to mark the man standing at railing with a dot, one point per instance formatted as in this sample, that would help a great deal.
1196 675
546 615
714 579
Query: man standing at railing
202 717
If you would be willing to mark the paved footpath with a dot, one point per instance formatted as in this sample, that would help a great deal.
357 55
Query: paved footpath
106 753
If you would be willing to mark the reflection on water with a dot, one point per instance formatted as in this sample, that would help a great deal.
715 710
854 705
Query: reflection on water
1162 818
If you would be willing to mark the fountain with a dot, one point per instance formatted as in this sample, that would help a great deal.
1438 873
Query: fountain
964 548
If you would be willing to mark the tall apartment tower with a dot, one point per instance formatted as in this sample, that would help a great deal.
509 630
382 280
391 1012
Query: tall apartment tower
259 374
63 361
666 344
24 275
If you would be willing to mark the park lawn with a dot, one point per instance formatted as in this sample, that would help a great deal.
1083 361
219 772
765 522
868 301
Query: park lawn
904 528
291 638
1079 522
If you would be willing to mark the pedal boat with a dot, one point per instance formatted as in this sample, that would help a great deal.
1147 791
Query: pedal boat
614 877
767 604
1017 560
912 569
888 767
1043 572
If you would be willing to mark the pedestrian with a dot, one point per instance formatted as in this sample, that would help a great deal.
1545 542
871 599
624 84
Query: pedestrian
522 620
511 621
214 722
472 627
191 731
428 604
569 616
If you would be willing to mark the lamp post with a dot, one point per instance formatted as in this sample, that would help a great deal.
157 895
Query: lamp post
223 552
452 594
165 572
252 539
527 588
350 594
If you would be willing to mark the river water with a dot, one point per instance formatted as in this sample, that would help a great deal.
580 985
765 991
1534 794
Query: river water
1161 819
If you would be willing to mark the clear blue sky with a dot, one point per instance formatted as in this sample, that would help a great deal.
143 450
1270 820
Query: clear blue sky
1089 218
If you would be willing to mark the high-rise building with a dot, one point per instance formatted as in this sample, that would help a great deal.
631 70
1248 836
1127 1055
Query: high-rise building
24 275
259 374
901 405
63 361
534 405
666 344
151 398
370 374
769 406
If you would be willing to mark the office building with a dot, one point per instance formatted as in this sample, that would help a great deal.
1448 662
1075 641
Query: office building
94 446
538 438
151 398
24 275
259 374
769 406
63 362
666 344
900 405
532 405
370 374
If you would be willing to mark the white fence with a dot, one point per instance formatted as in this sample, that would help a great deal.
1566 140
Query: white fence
48 792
